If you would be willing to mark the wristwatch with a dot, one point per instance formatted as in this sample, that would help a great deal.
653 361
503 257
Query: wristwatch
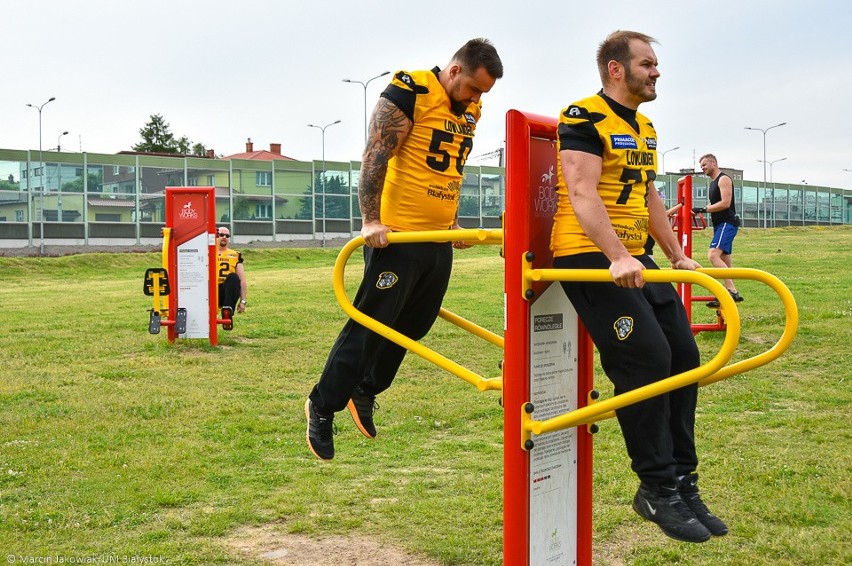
243 301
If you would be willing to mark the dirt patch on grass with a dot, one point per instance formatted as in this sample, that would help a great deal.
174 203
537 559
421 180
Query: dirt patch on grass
270 543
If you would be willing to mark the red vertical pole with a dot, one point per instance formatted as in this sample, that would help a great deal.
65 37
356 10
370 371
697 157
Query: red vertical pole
515 387
530 201
684 235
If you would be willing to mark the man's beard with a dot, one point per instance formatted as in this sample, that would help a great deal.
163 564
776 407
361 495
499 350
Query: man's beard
458 107
637 87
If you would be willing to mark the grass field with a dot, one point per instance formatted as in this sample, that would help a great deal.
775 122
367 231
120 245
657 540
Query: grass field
115 443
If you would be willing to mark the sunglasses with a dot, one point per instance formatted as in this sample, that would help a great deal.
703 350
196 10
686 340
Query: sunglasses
221 235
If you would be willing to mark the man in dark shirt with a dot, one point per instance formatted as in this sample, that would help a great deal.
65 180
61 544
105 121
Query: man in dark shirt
723 214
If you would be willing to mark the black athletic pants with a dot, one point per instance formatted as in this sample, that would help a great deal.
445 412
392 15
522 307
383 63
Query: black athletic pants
643 336
229 292
403 287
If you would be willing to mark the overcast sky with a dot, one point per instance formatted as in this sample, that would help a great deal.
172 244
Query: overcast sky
222 71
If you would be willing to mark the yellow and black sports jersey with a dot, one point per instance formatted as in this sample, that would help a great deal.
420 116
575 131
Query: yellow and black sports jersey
423 182
227 263
627 143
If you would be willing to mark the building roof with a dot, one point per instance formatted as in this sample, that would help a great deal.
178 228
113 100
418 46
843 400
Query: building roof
274 153
120 203
261 155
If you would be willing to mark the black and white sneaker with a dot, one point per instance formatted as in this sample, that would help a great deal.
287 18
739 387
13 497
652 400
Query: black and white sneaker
688 488
363 406
663 505
320 433
735 295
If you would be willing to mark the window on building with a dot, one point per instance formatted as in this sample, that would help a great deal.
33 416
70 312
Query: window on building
19 216
264 178
263 211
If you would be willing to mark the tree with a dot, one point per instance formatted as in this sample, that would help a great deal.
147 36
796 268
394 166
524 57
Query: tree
158 138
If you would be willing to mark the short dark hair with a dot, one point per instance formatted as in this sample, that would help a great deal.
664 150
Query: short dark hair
616 47
478 53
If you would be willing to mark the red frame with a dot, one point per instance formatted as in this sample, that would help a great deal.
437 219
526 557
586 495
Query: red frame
524 230
184 229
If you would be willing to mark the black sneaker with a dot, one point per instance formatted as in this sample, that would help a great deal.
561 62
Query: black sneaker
320 433
663 505
688 488
362 406
735 295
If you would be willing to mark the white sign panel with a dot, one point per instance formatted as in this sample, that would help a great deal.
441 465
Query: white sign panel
553 460
193 290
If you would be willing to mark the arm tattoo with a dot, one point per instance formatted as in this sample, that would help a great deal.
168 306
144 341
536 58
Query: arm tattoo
388 129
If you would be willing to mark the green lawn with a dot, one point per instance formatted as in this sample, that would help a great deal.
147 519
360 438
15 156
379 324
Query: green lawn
115 442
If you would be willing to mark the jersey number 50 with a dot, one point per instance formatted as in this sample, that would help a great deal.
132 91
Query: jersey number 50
442 162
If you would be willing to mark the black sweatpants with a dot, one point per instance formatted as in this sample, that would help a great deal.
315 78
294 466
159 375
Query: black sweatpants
643 336
403 287
229 292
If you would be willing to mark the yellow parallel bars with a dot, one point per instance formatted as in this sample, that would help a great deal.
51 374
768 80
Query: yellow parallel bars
705 374
791 322
479 236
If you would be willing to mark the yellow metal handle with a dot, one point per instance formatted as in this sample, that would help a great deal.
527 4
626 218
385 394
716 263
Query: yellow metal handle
591 413
470 236
162 303
702 375
791 321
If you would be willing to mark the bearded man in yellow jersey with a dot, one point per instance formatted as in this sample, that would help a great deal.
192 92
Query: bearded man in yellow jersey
232 277
420 135
607 206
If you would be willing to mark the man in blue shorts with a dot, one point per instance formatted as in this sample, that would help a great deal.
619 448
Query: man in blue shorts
723 214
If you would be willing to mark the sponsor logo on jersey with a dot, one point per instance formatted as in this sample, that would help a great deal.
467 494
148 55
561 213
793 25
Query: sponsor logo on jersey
640 158
463 129
623 141
469 117
623 327
387 279
573 111
651 143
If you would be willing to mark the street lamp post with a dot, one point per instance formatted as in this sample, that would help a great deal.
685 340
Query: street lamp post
771 163
663 160
58 138
41 159
765 223
322 178
364 84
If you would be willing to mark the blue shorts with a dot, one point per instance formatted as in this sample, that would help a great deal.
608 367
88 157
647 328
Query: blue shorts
723 237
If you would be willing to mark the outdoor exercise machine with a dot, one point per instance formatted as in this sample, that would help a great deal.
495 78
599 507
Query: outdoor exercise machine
550 404
185 288
684 223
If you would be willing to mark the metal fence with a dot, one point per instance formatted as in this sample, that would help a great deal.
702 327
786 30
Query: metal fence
83 199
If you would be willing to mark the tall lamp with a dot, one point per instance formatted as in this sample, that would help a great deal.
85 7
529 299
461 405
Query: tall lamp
41 159
364 84
765 212
322 178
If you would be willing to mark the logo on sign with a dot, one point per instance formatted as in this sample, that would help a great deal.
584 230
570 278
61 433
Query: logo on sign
545 203
187 212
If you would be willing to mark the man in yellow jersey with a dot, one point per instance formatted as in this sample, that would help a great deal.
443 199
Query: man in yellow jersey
232 277
420 135
607 206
